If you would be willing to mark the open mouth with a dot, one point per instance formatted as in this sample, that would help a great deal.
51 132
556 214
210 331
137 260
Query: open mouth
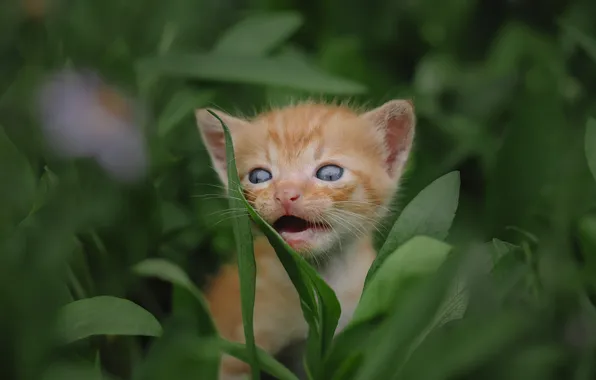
294 224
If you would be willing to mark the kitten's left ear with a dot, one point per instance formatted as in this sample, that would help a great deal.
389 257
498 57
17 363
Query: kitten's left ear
395 120
214 139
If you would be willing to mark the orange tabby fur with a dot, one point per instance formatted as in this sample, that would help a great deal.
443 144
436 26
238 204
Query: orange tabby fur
292 143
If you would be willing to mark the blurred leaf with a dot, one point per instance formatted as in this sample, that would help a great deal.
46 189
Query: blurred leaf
431 214
536 362
590 145
45 188
258 34
170 272
417 259
583 40
502 248
247 266
283 71
74 371
173 217
180 106
17 192
267 362
462 348
104 315
321 313
347 350
587 237
179 354
455 305
406 320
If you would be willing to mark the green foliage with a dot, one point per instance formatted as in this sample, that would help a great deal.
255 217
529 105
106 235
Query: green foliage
486 269
104 315
430 213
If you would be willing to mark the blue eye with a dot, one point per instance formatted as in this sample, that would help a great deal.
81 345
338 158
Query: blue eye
330 173
259 176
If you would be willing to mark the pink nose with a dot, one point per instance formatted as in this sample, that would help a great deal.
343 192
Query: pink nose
287 196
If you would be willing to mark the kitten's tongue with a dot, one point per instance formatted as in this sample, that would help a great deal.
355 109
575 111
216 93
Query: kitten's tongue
290 223
293 224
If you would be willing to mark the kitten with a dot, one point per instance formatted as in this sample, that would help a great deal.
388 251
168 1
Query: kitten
322 176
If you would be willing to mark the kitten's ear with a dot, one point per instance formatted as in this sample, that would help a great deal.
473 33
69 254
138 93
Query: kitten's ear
213 137
395 120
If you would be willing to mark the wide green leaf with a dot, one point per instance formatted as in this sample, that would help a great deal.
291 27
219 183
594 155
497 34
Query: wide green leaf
406 321
282 71
258 34
318 301
590 145
417 259
430 213
104 315
247 266
167 271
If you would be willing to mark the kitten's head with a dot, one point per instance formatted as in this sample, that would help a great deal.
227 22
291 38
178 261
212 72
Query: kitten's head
320 175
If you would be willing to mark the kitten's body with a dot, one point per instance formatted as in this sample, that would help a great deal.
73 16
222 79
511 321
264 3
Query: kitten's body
323 176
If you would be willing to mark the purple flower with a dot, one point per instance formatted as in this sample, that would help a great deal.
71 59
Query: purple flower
81 116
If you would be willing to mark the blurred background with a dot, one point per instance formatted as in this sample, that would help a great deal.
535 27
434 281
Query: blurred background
503 92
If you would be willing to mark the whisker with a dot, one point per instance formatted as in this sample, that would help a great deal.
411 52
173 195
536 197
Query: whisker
225 219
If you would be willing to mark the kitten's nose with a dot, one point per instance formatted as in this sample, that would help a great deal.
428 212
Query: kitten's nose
286 196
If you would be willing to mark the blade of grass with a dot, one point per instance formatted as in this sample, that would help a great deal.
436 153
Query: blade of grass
247 267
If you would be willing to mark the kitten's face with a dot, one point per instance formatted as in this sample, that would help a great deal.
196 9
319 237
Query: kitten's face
320 175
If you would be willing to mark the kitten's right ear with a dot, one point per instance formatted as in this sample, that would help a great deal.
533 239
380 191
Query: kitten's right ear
213 137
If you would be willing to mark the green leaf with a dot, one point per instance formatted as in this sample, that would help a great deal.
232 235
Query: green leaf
170 272
347 350
283 71
180 106
180 354
259 34
430 213
247 266
590 145
406 321
501 249
319 304
74 371
417 259
460 349
18 189
267 362
583 40
104 315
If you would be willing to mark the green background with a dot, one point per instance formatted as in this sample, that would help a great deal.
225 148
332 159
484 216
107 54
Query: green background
503 92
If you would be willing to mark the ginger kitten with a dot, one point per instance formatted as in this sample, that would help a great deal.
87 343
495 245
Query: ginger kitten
322 176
